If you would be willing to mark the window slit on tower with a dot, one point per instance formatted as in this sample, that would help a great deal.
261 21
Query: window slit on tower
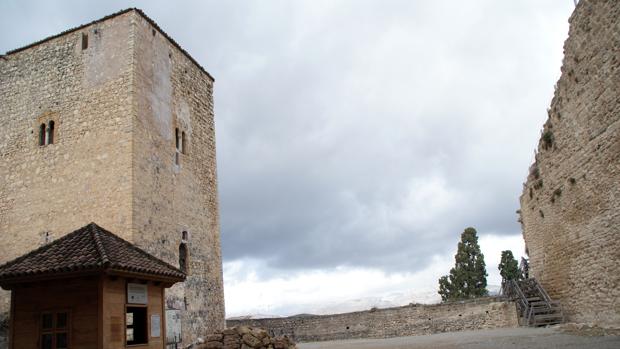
183 262
84 41
183 146
176 136
42 134
50 132
47 133
177 145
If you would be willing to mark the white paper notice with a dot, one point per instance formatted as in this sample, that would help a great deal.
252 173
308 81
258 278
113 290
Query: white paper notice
129 334
155 325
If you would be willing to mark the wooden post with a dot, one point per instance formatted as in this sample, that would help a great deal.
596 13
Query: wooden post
100 312
12 320
163 316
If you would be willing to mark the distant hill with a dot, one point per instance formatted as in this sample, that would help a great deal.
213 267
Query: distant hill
388 301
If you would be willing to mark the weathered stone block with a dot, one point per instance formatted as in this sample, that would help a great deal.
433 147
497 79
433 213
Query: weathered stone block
214 345
230 331
215 337
251 340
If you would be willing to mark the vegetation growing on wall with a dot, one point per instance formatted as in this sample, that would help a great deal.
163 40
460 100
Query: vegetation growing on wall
547 138
535 171
538 184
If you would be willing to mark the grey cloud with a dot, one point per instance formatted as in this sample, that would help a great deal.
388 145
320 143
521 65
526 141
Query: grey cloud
359 133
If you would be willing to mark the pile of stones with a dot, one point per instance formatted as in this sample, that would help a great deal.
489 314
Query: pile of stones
245 337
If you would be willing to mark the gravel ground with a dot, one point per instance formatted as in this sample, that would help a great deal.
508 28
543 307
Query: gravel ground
511 338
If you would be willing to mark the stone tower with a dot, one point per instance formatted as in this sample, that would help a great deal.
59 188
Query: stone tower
112 122
570 206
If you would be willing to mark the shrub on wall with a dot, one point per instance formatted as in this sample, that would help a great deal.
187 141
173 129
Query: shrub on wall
547 138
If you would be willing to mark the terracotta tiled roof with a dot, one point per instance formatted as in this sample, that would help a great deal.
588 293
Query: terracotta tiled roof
88 249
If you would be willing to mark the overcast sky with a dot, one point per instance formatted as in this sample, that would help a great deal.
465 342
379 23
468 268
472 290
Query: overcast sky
356 139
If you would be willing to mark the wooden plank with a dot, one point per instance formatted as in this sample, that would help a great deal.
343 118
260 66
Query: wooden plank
78 297
12 322
114 313
163 319
100 313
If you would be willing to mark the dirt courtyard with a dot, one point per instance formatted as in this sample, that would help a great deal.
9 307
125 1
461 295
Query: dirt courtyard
511 338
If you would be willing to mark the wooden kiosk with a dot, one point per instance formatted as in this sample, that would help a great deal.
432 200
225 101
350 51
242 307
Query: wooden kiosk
88 289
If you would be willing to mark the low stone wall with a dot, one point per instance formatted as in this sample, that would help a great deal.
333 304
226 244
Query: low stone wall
409 320
245 337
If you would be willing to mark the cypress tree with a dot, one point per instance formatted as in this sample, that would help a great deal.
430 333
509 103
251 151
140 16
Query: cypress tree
508 267
468 278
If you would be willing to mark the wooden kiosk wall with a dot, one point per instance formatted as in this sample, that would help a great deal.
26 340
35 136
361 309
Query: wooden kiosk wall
96 305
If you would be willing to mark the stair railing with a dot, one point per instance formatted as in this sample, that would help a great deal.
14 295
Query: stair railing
514 291
549 303
518 291
542 291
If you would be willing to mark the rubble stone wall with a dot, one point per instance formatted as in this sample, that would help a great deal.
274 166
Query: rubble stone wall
169 198
85 175
392 322
244 337
570 206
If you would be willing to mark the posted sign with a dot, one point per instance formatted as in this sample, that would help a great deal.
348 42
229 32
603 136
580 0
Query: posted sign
137 294
155 325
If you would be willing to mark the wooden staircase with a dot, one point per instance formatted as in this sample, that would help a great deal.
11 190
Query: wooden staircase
533 303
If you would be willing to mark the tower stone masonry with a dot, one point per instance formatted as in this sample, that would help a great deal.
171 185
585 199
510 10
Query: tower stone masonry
570 206
112 122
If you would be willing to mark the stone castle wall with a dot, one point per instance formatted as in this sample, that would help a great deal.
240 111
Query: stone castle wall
570 206
173 93
392 322
116 105
85 175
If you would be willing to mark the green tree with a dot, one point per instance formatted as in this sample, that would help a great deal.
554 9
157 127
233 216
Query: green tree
468 278
508 267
